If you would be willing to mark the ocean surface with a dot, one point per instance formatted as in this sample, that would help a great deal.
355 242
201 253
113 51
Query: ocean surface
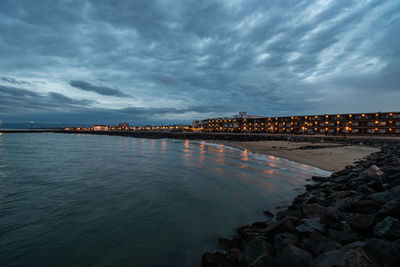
87 200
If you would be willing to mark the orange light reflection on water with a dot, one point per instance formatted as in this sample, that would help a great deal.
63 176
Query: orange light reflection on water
187 154
163 145
245 155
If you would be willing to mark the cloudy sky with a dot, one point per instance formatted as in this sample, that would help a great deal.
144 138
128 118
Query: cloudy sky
145 61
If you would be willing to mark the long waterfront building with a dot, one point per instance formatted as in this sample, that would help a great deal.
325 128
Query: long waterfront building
381 123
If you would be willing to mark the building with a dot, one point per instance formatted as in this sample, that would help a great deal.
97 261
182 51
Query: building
100 127
333 124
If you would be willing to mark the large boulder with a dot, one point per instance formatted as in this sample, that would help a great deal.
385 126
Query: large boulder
282 226
361 222
320 243
333 218
365 206
254 248
391 208
351 255
211 259
313 210
310 225
373 172
236 258
384 252
264 260
292 256
284 239
388 228
345 237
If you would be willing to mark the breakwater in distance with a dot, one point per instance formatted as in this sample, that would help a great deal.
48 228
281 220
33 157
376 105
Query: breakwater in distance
365 140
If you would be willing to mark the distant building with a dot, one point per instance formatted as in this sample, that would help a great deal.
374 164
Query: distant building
100 127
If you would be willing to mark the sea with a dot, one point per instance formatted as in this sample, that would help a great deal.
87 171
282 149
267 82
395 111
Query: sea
91 200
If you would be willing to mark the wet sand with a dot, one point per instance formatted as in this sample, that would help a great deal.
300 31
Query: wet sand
327 158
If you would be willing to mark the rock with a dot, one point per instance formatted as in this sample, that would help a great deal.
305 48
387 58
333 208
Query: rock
236 258
269 248
391 208
211 259
292 256
264 260
357 257
237 242
260 225
383 197
320 243
373 172
242 229
320 179
253 249
351 255
268 214
344 237
333 218
284 239
361 222
282 226
384 252
388 228
310 225
376 186
309 187
294 214
365 206
313 210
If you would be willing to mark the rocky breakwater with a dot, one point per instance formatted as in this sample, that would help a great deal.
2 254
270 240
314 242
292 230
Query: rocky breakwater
351 218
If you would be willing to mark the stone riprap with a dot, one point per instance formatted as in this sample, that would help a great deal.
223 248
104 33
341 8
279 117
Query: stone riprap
351 218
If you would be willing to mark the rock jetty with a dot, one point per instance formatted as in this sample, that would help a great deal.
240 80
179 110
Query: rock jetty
351 218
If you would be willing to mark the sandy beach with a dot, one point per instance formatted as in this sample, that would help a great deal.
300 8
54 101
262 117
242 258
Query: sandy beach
328 156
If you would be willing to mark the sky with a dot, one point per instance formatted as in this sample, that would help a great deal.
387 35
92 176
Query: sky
169 61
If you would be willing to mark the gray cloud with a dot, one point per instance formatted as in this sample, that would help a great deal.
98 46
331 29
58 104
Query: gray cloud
14 81
102 90
22 101
189 59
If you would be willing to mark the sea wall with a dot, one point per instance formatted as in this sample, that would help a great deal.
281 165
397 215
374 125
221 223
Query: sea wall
351 218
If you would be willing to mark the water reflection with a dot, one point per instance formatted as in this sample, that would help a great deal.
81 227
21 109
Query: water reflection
187 154
146 189
245 155
153 145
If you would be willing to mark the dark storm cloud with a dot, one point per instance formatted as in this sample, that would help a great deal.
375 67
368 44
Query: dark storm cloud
101 90
196 59
17 100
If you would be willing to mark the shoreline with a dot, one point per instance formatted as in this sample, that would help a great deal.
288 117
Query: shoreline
328 157
350 218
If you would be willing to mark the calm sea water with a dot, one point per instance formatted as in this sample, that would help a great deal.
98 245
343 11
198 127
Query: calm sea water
81 200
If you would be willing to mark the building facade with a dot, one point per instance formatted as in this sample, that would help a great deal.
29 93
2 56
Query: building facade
382 123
